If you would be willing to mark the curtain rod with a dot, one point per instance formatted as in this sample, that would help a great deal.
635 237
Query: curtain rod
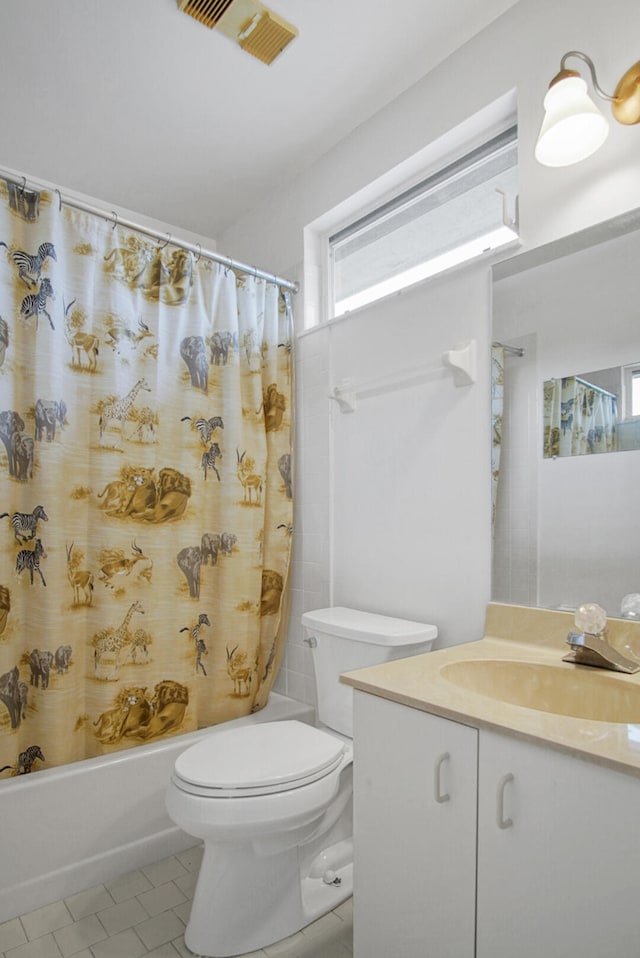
195 248
515 350
598 389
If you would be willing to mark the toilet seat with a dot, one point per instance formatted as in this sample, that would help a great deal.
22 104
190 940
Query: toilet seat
260 759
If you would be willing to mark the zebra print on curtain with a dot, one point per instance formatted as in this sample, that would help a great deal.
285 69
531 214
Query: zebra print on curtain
145 477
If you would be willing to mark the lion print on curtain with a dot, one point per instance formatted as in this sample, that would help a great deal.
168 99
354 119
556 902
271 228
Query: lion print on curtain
145 469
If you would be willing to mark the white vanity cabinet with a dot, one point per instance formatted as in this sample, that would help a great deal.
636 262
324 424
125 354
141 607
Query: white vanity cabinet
504 848
563 878
414 833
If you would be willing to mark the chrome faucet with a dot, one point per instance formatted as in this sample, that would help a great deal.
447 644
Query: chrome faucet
593 649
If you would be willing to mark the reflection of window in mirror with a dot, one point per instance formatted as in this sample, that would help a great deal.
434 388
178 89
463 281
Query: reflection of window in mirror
631 386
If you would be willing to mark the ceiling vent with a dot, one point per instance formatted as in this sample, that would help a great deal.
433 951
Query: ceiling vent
258 30
208 12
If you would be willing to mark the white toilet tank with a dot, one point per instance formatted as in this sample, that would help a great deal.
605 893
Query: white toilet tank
344 639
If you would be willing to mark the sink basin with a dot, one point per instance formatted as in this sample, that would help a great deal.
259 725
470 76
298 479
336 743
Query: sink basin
575 691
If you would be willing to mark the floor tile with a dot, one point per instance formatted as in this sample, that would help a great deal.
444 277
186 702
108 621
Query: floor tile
41 921
181 948
81 934
324 949
44 947
163 928
125 914
288 947
12 934
164 951
327 927
183 911
88 902
187 883
130 885
164 871
125 945
161 898
345 910
192 858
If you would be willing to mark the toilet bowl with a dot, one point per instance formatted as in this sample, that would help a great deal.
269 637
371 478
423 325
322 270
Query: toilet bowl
273 802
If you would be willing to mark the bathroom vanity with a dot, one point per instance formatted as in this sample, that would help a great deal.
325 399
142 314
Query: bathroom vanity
487 828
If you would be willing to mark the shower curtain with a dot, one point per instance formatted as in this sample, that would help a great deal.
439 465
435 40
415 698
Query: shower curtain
497 410
145 472
579 418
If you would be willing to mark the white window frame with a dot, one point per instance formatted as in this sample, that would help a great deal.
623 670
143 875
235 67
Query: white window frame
464 252
629 373
361 195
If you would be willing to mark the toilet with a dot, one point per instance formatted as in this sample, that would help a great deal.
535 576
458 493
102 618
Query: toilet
272 802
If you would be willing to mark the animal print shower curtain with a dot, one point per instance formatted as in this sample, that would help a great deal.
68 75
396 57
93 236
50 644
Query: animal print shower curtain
145 477
497 409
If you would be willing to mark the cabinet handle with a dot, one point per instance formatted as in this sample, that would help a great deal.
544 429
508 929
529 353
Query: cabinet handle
502 822
438 794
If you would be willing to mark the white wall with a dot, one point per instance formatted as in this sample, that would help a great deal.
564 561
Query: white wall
522 51
411 496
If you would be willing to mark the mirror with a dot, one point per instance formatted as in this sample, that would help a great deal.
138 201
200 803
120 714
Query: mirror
591 413
567 528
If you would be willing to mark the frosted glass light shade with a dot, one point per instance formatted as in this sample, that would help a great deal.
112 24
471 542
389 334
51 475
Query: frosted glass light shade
573 127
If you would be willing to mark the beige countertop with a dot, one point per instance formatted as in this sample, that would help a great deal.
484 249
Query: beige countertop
532 637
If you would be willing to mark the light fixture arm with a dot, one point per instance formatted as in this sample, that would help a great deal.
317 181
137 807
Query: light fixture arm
592 71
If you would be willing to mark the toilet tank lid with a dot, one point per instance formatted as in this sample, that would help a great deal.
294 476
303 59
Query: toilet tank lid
368 626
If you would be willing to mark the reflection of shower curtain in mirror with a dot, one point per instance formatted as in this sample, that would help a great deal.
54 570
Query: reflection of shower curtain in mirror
145 472
497 407
579 418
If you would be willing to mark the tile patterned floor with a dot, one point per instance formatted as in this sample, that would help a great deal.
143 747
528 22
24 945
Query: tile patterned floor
144 913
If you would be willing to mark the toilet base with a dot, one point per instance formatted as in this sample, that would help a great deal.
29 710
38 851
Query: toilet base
274 901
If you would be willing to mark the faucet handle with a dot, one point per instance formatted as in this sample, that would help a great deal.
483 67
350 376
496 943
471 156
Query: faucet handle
591 618
630 606
575 640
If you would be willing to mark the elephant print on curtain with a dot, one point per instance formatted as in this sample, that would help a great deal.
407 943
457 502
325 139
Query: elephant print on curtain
145 470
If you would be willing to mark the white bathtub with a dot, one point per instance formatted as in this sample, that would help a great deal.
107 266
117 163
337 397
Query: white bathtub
66 829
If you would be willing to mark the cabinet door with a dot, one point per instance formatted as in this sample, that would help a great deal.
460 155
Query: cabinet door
415 794
558 854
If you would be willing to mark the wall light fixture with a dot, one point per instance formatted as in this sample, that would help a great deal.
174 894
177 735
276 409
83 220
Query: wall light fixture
573 127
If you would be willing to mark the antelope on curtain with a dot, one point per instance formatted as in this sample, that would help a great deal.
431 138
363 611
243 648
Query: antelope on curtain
145 470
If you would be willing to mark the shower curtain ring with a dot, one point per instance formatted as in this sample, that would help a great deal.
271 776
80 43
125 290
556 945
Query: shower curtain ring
166 242
24 183
59 200
115 219
199 253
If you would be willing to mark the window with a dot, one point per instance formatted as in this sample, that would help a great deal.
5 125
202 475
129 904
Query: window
452 216
631 387
635 392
